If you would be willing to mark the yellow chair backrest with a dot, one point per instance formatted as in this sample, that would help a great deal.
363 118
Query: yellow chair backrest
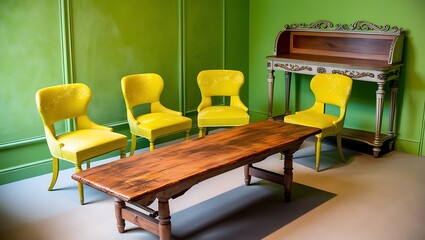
149 88
220 83
331 89
63 102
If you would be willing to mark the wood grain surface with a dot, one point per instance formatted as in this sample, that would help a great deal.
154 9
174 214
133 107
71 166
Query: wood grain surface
169 170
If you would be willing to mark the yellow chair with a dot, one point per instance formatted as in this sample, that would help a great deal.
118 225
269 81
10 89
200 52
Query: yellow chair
333 89
88 140
141 89
220 83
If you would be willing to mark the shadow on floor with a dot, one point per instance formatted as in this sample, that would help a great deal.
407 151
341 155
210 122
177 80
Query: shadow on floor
246 212
330 158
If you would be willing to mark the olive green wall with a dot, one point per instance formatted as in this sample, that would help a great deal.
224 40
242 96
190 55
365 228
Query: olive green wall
96 42
268 17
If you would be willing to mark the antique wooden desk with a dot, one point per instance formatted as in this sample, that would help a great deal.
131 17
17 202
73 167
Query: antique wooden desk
362 51
168 172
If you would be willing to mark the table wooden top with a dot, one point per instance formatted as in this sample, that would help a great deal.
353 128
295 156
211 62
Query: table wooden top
189 162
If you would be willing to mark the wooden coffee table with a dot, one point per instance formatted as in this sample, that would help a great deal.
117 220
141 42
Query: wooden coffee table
168 172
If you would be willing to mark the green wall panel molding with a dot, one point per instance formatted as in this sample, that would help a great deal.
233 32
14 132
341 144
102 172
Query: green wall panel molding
113 39
422 140
25 171
41 167
215 37
98 42
411 147
236 44
203 44
21 142
66 41
29 60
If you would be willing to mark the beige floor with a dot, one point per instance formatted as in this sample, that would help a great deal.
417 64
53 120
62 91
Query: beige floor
365 198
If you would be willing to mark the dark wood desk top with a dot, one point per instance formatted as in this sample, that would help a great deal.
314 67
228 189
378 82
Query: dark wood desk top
189 162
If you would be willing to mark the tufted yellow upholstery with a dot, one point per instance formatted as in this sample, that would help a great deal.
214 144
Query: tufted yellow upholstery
222 83
140 89
87 141
331 89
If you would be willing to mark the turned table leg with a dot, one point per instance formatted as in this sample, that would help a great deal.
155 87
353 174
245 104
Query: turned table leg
287 175
119 204
247 175
164 219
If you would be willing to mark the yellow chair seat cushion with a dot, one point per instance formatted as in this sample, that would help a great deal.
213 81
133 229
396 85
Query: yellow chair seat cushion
81 145
312 119
222 116
153 125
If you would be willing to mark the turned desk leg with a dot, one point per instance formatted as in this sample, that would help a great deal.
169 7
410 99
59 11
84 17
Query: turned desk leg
393 100
380 93
287 91
164 219
119 204
287 175
270 80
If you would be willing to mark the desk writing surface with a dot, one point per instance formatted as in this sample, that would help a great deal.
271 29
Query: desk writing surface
151 172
